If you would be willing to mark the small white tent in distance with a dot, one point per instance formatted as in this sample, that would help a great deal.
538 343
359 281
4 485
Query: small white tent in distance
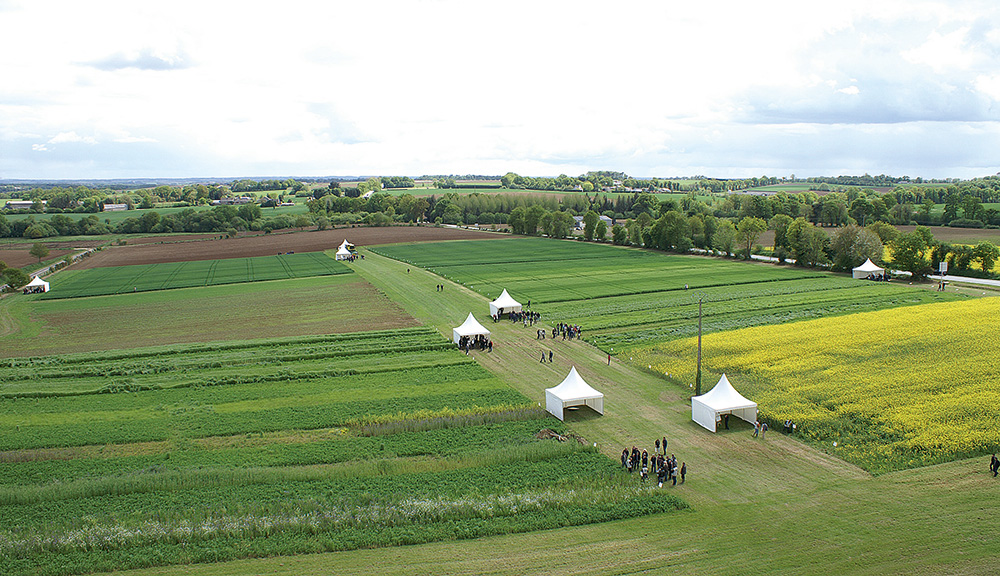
342 254
471 327
36 285
573 391
867 269
708 408
506 302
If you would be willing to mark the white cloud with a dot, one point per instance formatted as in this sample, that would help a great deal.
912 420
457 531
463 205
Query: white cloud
71 137
989 85
942 52
39 148
195 88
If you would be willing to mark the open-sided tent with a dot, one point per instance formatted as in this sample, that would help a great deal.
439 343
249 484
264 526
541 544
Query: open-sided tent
36 285
867 269
506 302
709 408
342 254
471 327
573 391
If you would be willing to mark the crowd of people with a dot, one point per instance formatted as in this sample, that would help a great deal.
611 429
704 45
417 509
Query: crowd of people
526 317
478 342
663 467
567 330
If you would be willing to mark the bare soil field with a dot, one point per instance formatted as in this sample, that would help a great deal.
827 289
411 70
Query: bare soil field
959 235
18 258
212 248
15 254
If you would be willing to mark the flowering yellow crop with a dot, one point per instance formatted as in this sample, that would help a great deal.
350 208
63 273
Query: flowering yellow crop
895 388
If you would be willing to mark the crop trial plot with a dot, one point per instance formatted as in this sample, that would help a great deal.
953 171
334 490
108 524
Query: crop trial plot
181 454
146 277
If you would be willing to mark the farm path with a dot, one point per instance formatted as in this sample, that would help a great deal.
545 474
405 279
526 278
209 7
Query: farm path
639 406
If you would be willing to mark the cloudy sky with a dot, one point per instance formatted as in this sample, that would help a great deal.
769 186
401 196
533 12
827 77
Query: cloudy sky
105 89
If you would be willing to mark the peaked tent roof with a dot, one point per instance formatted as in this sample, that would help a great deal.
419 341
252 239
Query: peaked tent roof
574 386
505 301
869 266
724 397
572 391
708 408
36 281
471 327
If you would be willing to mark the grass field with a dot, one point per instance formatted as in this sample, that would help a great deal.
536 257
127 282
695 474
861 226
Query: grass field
173 455
297 307
165 276
544 271
585 285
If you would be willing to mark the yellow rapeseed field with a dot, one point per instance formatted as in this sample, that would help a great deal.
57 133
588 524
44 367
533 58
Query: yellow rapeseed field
895 388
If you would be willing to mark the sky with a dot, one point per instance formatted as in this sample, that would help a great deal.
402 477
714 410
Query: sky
725 89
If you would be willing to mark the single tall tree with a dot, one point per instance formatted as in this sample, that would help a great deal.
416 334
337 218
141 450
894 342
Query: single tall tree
39 250
748 230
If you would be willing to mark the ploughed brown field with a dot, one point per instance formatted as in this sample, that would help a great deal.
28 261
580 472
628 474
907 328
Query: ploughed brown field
18 258
15 254
185 249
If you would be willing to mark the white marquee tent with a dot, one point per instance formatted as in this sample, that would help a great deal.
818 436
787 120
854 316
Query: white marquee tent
506 302
347 245
709 408
342 254
471 327
867 269
36 285
573 391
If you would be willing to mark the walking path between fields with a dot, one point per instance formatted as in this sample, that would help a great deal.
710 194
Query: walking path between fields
762 504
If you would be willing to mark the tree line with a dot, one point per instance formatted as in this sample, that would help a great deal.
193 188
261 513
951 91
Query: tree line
219 219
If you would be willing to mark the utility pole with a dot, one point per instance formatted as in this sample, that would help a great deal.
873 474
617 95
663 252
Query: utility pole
697 378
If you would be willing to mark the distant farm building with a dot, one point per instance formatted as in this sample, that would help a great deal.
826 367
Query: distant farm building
22 204
579 221
115 207
229 201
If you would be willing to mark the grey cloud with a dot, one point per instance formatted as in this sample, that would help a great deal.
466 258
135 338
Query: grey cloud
878 102
891 88
146 59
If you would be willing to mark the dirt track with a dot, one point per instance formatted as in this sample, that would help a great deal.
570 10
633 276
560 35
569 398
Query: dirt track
185 249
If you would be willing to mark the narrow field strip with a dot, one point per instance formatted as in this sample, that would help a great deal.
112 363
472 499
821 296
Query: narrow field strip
142 278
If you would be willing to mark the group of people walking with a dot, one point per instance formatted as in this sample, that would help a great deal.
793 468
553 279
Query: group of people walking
759 429
658 464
